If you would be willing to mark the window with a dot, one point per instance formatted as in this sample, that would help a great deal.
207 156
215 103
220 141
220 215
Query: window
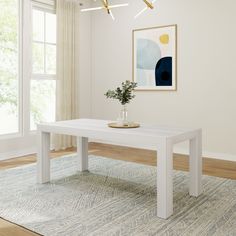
43 81
9 67
39 95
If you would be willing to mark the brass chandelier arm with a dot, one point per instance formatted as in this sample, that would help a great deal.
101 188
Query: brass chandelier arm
106 6
149 4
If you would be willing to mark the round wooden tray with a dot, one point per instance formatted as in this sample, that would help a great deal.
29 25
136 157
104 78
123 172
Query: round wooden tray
128 126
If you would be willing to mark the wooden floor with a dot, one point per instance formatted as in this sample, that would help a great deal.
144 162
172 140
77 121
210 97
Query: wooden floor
214 167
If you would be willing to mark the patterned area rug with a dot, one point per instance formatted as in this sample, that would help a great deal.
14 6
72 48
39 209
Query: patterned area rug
114 198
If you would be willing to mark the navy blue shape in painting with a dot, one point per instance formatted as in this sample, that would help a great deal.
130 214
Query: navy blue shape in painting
163 72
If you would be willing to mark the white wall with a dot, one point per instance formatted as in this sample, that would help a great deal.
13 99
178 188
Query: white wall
206 93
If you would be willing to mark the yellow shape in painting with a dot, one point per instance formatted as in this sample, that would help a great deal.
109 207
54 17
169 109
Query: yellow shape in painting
164 38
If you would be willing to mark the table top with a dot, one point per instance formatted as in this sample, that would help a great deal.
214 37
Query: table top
93 128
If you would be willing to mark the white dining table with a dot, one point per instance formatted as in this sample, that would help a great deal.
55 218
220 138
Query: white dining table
163 138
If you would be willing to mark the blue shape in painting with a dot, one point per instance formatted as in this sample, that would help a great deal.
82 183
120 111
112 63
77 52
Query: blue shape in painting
163 72
148 53
141 77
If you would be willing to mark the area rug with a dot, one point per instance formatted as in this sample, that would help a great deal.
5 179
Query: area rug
113 198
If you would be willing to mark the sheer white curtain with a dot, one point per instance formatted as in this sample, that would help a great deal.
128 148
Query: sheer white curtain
67 64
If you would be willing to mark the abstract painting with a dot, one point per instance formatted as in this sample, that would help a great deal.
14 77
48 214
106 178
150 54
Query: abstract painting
154 58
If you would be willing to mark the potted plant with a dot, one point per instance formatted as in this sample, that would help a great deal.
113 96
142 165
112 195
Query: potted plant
124 95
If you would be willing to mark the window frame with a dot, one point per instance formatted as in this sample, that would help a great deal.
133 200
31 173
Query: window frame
25 75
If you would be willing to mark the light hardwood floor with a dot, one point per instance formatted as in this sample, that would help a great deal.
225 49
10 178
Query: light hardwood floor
214 167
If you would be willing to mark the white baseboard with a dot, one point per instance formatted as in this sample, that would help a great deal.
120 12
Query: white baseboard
213 155
17 153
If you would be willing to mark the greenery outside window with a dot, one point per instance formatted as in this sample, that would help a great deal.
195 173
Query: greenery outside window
9 67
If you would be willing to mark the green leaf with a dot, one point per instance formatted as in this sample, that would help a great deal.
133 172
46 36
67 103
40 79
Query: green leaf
123 94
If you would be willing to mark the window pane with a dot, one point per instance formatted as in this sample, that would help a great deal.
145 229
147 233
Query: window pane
42 101
50 28
38 25
50 59
9 66
38 58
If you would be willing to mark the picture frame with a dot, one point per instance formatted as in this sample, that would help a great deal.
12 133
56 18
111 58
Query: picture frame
155 58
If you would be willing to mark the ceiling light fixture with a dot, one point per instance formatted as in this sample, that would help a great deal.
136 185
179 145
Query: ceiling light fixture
107 7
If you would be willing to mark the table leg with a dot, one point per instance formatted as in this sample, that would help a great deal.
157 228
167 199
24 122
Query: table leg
82 150
43 160
165 180
195 165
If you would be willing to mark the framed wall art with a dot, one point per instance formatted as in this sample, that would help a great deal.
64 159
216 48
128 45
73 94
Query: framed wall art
154 58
